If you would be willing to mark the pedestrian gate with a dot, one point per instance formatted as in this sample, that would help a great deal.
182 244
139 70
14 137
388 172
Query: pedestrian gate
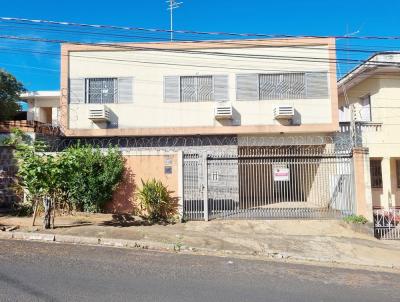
259 183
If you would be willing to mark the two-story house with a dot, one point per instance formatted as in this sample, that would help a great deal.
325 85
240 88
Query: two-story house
369 95
233 127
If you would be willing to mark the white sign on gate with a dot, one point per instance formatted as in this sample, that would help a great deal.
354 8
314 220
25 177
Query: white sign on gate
281 173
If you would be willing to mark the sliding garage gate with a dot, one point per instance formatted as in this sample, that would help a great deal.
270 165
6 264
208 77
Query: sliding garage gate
263 182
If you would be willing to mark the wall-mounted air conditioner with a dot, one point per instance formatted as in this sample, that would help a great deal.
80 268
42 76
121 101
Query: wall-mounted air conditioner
99 113
283 112
223 111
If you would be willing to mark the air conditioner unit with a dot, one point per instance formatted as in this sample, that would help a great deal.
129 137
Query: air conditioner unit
223 111
99 113
283 112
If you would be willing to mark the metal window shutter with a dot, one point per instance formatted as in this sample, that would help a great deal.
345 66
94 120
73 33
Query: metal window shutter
247 87
317 85
220 83
172 89
125 90
77 91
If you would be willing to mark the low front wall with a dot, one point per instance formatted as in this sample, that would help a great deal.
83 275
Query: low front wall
163 166
8 170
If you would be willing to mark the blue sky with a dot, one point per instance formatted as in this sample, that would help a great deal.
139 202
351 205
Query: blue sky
40 70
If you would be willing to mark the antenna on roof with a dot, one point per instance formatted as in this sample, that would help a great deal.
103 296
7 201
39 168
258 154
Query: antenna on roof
172 4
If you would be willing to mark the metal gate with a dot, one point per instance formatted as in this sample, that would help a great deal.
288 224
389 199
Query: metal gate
256 183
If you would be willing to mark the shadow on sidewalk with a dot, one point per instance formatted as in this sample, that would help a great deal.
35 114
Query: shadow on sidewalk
128 220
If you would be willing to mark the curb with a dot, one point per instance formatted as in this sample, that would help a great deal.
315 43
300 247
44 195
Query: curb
167 247
124 243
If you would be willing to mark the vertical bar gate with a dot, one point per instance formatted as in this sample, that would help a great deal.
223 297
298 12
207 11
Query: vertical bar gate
255 184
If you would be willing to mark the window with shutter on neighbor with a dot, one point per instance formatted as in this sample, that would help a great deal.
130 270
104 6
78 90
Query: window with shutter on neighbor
365 110
376 173
101 90
282 86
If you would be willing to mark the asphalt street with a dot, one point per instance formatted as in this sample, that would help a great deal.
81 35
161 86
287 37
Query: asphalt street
32 271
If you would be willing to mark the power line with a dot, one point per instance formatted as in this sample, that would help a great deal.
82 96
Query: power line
370 51
197 32
179 65
144 48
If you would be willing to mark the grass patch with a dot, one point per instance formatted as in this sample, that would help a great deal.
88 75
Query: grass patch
357 219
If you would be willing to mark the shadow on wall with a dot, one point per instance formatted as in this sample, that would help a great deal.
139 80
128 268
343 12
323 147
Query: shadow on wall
124 199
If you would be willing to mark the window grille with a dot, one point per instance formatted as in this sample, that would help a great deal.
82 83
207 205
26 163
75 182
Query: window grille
196 88
376 173
282 86
101 90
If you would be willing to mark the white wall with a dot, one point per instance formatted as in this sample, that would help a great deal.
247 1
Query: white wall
148 109
36 109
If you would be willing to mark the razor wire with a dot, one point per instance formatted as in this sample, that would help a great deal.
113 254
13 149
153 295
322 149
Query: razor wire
279 145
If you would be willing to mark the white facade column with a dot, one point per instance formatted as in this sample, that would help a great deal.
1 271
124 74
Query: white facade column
54 116
387 198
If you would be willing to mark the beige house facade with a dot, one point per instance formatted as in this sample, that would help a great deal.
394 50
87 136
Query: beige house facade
237 128
174 88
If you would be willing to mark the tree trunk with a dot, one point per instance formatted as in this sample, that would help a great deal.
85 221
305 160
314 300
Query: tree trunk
36 202
47 212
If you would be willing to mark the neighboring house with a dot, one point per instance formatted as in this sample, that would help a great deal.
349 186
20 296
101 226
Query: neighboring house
39 116
370 95
43 106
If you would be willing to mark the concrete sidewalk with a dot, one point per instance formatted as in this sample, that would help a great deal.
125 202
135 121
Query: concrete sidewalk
329 241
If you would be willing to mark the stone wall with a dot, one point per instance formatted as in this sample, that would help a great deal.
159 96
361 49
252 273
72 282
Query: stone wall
8 170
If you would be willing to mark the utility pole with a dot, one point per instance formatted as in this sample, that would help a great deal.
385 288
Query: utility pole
172 4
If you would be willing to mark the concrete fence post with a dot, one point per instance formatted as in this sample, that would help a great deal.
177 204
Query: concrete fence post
205 185
362 182
180 184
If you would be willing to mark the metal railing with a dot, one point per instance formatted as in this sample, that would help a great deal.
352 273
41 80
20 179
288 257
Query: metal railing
387 224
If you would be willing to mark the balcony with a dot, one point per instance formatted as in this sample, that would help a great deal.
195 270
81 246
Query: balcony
364 131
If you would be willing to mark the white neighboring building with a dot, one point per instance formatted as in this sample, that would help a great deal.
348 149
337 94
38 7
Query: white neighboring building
43 106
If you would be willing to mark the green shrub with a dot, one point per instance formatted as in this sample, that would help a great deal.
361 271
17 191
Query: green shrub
90 176
156 200
355 219
22 209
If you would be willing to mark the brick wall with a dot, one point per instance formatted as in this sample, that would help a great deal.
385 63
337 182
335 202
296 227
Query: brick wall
8 170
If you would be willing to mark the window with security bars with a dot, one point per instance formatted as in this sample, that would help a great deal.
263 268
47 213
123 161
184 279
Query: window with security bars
196 88
282 86
376 173
101 90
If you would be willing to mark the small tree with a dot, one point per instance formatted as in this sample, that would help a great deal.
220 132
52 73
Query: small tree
10 90
38 172
82 176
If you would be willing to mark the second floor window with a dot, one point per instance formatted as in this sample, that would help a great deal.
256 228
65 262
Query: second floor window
101 90
196 88
282 86
365 110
